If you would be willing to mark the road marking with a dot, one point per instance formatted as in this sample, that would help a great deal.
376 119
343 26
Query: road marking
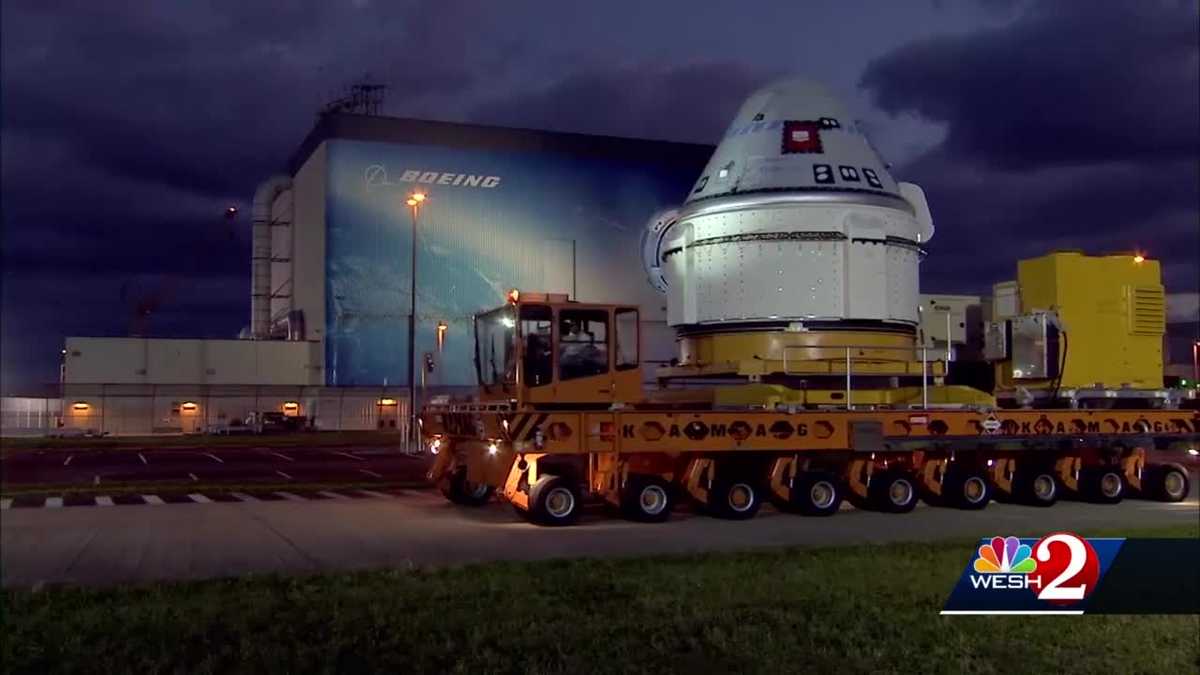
370 473
199 498
193 476
218 459
53 503
5 504
332 495
283 474
152 500
104 501
372 493
346 454
291 497
96 480
244 497
67 461
281 455
143 458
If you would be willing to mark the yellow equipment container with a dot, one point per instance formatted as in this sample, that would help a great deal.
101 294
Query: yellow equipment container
1112 310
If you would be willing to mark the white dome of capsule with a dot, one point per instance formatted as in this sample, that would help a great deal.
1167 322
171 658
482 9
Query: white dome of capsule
794 219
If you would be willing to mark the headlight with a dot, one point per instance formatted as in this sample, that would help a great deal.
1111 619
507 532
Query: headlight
435 446
493 449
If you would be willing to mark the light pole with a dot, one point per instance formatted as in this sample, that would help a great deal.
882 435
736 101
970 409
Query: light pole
414 202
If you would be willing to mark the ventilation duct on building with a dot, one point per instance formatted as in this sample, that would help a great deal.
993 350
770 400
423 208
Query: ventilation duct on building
260 255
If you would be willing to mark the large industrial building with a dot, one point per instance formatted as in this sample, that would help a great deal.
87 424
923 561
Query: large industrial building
331 279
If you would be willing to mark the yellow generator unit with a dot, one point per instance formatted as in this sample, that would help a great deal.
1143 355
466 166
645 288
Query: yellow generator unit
1079 331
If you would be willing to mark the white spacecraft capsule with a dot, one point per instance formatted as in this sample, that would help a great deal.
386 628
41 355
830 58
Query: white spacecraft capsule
795 220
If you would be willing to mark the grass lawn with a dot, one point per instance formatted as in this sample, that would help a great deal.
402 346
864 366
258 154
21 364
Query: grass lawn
308 439
852 609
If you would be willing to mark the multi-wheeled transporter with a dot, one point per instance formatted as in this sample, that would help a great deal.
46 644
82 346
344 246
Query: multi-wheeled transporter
791 281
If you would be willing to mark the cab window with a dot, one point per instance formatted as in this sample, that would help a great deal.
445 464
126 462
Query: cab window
627 339
582 343
536 323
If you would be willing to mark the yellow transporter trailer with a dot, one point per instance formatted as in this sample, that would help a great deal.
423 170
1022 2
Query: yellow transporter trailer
561 417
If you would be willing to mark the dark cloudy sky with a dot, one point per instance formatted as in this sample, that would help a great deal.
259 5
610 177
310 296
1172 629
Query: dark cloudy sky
128 126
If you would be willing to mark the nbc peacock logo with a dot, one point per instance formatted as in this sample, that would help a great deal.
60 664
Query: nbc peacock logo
1005 563
1005 555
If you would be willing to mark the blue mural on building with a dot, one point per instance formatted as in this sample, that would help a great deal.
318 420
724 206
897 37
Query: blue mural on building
493 221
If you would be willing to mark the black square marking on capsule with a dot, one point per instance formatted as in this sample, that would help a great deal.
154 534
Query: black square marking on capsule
822 173
872 178
849 173
757 118
701 184
830 123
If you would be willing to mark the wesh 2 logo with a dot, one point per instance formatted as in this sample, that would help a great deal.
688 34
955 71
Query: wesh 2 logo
1060 568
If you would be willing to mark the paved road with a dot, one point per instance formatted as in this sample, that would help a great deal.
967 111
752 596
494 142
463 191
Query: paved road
154 541
211 465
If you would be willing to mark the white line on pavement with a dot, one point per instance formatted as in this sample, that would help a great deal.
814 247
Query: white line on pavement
373 493
104 501
53 503
371 473
218 459
283 474
291 497
193 477
5 504
199 498
332 495
152 500
346 454
244 497
67 461
143 458
281 455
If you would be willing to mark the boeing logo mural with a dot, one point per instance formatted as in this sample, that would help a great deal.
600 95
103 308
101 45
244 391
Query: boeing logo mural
376 177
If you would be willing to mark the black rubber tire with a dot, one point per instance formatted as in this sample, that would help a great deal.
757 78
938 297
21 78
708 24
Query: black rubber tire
647 499
967 489
555 501
1105 485
1037 488
811 494
1168 484
465 493
725 498
885 486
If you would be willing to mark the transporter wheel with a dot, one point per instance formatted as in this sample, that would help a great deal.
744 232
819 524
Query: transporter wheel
1036 488
555 500
647 499
1168 484
892 492
1103 486
816 493
462 491
734 498
967 489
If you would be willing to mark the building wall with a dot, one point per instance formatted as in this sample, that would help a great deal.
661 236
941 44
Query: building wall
308 251
143 409
191 361
536 221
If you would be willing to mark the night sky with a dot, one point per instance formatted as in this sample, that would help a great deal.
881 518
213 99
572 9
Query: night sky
129 126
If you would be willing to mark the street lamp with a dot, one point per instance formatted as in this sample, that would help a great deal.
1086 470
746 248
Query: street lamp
414 201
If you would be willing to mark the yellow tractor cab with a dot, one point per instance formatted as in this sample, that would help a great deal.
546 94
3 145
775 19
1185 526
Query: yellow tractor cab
540 349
